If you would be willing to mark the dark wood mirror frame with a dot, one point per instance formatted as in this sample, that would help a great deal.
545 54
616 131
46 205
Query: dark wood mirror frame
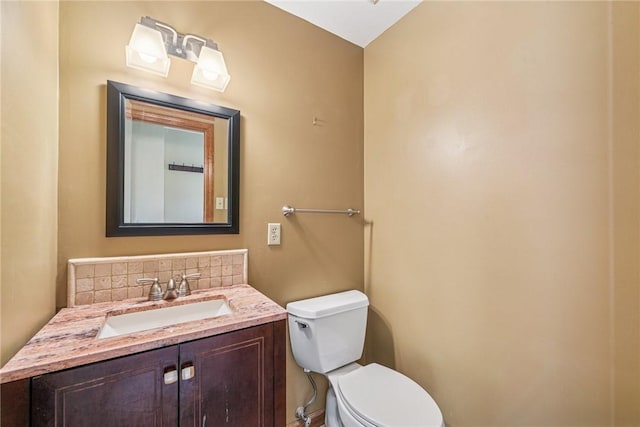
117 94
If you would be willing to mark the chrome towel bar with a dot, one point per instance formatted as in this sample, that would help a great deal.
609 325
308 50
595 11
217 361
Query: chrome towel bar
288 210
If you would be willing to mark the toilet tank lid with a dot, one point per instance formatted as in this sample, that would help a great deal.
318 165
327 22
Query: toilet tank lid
326 305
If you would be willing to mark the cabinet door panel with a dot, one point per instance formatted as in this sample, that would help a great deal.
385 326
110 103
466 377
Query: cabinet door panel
233 382
129 391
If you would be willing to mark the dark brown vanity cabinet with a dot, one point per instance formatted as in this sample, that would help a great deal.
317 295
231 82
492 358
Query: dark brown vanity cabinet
233 379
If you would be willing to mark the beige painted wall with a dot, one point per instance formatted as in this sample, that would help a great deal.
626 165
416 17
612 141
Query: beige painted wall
29 105
625 188
501 180
284 73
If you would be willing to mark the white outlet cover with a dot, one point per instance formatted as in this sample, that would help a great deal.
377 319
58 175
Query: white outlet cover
273 233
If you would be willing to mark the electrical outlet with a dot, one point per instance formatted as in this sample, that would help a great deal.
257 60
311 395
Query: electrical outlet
273 233
220 203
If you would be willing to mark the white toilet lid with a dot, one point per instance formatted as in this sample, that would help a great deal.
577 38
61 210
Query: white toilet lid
387 398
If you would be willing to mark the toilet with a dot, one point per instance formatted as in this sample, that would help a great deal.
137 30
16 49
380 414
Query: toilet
327 336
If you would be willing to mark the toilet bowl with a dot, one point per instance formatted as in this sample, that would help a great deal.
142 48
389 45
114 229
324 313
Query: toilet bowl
327 337
376 396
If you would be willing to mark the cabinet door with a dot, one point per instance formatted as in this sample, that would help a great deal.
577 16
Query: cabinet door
128 391
232 383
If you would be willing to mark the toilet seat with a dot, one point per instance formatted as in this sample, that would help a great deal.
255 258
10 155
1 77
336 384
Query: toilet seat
379 396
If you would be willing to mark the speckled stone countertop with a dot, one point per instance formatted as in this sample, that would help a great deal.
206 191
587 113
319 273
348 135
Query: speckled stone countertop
69 339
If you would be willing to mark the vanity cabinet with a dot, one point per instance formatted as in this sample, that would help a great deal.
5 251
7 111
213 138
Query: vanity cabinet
233 379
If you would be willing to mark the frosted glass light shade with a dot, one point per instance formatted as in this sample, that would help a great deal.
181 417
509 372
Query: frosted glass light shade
146 51
211 71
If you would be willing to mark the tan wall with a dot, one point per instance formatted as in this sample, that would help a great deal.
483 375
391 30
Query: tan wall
29 81
625 176
284 72
501 148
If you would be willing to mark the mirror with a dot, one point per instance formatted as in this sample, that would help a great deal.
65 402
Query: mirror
173 164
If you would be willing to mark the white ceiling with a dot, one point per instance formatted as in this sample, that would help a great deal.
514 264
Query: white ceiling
358 21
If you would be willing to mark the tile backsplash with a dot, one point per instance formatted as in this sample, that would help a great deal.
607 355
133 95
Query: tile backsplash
92 280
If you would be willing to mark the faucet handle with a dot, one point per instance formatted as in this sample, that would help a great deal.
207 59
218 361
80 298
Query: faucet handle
155 293
184 289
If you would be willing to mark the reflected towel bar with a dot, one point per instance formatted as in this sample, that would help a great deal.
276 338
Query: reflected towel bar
288 210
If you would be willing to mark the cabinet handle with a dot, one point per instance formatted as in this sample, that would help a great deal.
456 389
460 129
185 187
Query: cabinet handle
188 372
171 376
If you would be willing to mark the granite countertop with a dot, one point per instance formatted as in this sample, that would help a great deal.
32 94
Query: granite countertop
69 339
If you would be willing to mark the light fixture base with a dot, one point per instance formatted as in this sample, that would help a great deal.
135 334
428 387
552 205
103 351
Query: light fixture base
185 46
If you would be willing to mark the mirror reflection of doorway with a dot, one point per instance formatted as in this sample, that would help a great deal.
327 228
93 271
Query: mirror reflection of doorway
169 165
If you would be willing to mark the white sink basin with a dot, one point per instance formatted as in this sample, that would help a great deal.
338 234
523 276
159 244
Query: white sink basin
160 317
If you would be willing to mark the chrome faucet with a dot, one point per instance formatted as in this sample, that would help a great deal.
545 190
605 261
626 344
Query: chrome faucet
171 292
156 294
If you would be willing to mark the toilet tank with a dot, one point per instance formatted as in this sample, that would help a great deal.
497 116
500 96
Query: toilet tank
327 332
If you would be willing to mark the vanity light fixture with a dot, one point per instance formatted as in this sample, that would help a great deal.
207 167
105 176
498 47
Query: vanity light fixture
152 41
